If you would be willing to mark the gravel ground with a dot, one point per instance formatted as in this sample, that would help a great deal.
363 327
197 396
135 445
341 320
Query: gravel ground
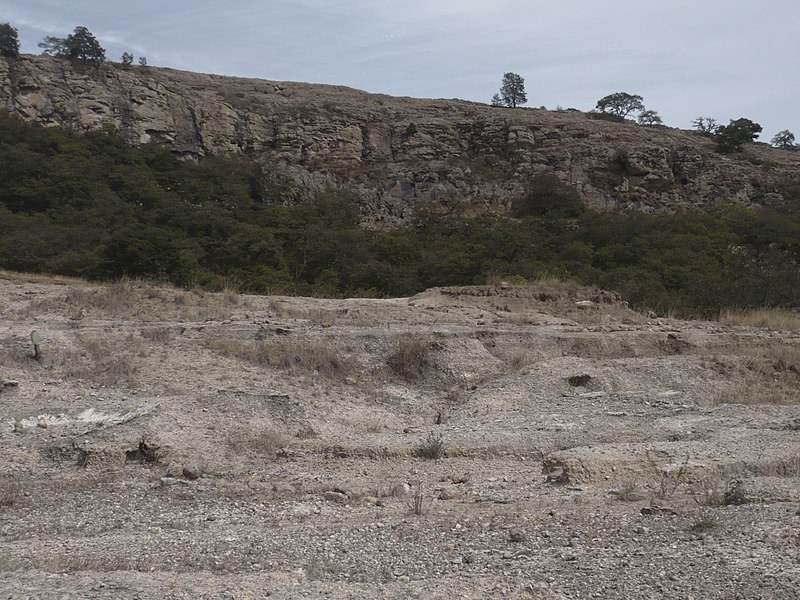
487 442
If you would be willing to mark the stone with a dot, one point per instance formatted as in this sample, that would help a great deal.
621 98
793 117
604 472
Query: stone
192 472
517 535
283 488
449 493
337 497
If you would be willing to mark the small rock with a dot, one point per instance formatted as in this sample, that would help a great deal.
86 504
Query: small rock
174 470
657 510
4 383
449 493
584 304
192 472
335 497
517 535
283 488
211 518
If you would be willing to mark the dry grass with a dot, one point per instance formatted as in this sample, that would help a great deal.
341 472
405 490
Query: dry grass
518 361
432 447
779 319
110 359
411 358
264 441
10 491
761 376
135 298
296 357
419 503
160 335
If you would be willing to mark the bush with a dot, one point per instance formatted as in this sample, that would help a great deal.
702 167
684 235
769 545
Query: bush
432 447
548 195
411 357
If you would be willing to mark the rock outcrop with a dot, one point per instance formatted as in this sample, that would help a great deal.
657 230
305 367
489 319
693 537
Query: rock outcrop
397 152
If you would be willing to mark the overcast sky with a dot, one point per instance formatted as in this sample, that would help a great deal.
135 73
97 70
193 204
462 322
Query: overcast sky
720 58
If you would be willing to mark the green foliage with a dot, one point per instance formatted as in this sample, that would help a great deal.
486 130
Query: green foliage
547 195
732 137
89 205
649 117
705 125
620 104
127 59
784 140
512 91
9 41
79 45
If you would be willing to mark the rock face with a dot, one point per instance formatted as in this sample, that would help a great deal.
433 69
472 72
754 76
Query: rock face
396 152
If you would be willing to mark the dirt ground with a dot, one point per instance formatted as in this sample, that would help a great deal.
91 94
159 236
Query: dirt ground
542 441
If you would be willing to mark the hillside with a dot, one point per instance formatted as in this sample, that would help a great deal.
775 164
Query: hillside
395 153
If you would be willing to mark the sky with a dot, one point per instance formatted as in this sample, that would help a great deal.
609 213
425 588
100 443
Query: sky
724 59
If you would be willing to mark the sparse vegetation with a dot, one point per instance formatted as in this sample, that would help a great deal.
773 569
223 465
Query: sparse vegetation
411 357
296 357
419 503
705 521
667 478
432 447
265 441
776 318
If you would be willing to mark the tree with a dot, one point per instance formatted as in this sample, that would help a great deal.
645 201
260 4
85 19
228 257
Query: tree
142 61
649 117
83 46
620 104
9 41
705 125
512 91
731 137
784 140
79 45
127 59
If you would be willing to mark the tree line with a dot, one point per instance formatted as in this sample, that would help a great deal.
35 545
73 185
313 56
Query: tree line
619 105
81 45
90 205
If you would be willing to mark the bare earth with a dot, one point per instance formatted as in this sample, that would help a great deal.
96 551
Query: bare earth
482 442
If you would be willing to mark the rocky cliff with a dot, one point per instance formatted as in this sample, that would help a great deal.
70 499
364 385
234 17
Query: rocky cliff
397 152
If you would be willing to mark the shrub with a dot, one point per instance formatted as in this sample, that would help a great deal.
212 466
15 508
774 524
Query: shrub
432 447
547 195
411 357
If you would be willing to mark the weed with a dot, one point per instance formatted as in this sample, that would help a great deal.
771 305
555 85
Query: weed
705 521
266 442
293 356
419 504
629 492
768 318
735 494
518 362
9 492
411 357
710 492
667 479
158 334
432 447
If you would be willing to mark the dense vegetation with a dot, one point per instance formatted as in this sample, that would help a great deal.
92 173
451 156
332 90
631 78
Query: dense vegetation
92 206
